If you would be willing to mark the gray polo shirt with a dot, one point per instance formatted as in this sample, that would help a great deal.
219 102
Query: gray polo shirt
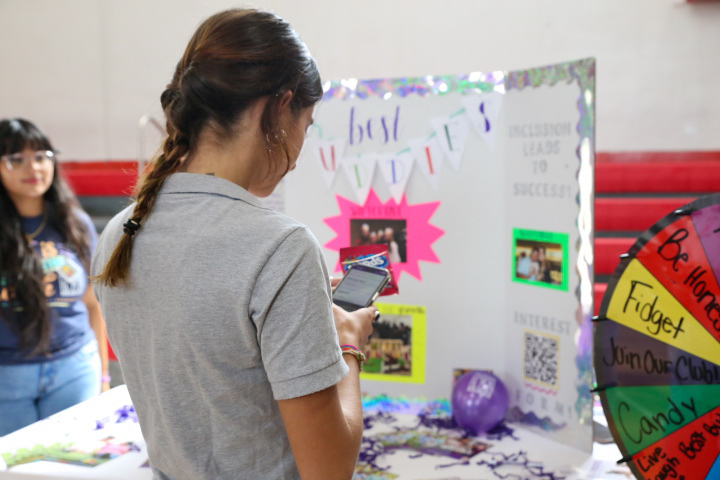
228 309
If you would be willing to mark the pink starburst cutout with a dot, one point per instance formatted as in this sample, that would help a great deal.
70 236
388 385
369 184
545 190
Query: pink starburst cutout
420 233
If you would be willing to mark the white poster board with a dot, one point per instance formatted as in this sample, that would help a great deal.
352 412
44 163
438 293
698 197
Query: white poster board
470 172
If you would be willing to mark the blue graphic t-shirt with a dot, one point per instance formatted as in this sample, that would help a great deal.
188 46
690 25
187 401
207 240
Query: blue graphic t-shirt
65 283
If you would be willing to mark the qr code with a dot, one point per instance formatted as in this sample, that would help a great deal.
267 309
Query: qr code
541 358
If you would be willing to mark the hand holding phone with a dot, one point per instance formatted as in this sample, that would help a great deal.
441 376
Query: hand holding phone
360 287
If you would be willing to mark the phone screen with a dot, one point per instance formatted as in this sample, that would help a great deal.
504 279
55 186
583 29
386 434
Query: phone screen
358 287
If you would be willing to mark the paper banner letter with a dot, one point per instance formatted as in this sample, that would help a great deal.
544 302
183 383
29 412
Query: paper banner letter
360 171
396 170
483 111
429 157
452 133
328 155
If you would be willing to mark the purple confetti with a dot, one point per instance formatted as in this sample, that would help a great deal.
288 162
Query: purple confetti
123 414
126 414
370 451
454 464
500 460
500 432
437 417
377 417
515 414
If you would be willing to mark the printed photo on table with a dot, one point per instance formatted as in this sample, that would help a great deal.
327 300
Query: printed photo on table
451 444
89 452
540 258
393 233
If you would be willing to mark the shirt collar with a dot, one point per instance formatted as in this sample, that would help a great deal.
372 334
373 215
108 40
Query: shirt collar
198 183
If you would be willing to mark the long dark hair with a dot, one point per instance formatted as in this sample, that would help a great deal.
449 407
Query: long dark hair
21 268
235 58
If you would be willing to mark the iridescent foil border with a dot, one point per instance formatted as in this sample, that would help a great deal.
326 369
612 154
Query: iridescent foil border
582 72
476 82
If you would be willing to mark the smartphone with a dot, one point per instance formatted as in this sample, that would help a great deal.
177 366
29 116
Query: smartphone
360 287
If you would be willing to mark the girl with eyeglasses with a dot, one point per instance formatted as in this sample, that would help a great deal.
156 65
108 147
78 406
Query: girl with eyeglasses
219 310
53 348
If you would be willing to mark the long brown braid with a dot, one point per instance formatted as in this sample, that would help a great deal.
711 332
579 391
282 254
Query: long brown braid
235 58
167 162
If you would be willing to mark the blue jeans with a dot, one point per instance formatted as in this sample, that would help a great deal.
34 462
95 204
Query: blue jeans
29 393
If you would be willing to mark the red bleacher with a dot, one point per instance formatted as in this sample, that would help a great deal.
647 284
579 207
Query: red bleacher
101 179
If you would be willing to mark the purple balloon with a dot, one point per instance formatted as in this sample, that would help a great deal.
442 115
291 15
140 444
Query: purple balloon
479 401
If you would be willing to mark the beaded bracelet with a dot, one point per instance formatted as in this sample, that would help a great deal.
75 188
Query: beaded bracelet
355 352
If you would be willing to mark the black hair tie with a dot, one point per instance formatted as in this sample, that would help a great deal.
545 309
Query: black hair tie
131 226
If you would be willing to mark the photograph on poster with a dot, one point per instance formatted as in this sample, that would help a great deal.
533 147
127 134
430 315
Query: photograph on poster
540 258
389 349
408 221
396 349
393 233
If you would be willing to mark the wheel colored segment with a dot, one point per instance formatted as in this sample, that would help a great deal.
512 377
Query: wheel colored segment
625 357
639 301
641 416
689 452
707 224
657 347
676 258
715 470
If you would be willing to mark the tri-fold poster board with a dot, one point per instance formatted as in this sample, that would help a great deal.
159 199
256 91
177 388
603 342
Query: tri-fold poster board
482 185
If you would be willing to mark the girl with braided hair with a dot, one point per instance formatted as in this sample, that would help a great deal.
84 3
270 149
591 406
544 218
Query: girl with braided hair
52 334
220 311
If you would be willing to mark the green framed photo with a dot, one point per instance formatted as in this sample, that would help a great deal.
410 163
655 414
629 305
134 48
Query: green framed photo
540 258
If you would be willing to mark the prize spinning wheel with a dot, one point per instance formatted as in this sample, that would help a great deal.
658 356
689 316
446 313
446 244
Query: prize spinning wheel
657 347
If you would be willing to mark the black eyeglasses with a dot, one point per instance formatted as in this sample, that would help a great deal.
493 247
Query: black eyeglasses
20 160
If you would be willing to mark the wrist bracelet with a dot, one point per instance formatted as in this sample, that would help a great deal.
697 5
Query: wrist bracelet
105 378
355 352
